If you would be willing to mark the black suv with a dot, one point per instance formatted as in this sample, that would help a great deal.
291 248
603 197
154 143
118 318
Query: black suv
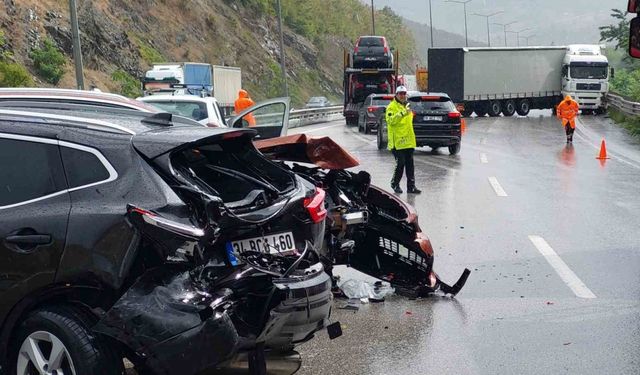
372 51
178 247
436 122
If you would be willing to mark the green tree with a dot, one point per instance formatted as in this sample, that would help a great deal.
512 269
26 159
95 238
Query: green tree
617 33
14 75
48 61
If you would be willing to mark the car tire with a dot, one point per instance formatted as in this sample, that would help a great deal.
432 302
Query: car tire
523 107
380 141
359 126
67 328
494 108
454 149
508 108
365 128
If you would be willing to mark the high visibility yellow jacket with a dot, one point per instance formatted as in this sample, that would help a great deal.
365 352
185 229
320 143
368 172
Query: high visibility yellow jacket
399 126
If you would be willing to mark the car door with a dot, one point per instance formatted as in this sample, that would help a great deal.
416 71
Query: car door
271 118
34 213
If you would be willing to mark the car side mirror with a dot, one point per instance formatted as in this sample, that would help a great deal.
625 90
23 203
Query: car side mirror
634 38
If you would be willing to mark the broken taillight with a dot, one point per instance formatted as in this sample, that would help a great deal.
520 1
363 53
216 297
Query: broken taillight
315 206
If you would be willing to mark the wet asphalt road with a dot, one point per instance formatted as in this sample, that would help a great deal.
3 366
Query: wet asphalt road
516 314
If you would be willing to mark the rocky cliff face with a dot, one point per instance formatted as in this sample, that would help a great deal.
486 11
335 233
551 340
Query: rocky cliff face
128 36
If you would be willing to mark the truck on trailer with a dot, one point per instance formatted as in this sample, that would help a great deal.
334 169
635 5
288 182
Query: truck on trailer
515 80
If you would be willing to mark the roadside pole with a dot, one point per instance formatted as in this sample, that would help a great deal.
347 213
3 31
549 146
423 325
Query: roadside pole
77 52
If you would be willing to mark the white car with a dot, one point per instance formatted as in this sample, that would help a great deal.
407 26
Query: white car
205 110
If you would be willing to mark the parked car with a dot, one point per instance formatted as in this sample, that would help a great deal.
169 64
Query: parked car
371 110
317 102
205 110
10 96
372 52
436 122
174 245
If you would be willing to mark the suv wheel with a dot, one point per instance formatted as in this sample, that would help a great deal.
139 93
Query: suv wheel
382 144
57 340
454 149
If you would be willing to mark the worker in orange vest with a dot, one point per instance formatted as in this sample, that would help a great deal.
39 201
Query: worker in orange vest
567 112
243 102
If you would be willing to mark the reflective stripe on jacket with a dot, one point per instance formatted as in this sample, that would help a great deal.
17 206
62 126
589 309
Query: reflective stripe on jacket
399 126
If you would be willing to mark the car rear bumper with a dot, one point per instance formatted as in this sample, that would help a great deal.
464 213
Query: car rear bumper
444 140
360 61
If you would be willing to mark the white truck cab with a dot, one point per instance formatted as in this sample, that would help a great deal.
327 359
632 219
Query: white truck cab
585 76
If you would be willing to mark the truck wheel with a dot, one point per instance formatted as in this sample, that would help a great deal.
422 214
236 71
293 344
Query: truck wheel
508 108
523 107
63 332
454 149
494 108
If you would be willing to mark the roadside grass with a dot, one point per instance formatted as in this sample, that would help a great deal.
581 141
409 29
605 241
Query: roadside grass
632 124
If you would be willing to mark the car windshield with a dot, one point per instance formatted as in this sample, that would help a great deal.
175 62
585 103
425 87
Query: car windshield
193 110
588 72
371 42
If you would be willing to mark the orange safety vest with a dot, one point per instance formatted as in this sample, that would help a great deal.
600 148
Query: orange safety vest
567 111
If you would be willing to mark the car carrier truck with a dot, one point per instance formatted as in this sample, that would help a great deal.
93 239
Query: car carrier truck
515 80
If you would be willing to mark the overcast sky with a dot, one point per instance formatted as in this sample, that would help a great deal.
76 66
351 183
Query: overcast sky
557 21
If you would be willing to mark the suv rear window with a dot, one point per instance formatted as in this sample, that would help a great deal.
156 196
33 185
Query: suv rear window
380 101
430 103
234 171
371 42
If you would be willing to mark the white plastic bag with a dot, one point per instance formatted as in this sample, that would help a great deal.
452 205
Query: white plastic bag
362 289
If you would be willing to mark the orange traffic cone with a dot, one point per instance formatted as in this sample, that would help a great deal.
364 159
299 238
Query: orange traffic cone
603 151
463 126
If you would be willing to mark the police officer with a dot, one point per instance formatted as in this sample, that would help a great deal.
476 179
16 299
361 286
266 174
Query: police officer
402 140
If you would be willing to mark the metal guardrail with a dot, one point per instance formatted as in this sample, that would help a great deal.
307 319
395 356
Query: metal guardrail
308 116
626 106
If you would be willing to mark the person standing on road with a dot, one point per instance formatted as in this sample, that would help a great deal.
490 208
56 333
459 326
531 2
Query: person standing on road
567 112
402 140
243 102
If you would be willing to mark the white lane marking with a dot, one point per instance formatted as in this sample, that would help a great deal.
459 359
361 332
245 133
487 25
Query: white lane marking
565 273
301 129
497 188
483 158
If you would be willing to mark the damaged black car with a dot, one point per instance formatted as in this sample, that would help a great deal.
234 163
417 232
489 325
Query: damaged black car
178 247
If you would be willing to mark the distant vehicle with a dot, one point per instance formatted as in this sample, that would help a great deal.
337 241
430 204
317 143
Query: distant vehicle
509 80
221 82
372 52
317 102
203 110
436 122
36 97
371 110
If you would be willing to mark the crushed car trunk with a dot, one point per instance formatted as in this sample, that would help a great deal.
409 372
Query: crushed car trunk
371 230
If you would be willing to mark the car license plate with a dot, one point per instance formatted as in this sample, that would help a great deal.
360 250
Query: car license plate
432 118
270 243
372 86
369 58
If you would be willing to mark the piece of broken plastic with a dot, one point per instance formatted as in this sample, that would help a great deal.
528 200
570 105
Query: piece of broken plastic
362 289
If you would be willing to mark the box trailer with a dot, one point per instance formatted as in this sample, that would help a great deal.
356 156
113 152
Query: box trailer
509 80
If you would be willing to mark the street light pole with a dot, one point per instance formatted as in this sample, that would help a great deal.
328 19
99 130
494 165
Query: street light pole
282 62
487 16
431 23
373 20
504 28
518 34
464 4
527 38
77 52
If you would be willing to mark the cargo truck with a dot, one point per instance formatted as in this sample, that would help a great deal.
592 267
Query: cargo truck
515 80
221 82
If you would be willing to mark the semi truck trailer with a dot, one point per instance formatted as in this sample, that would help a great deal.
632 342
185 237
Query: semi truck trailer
514 80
